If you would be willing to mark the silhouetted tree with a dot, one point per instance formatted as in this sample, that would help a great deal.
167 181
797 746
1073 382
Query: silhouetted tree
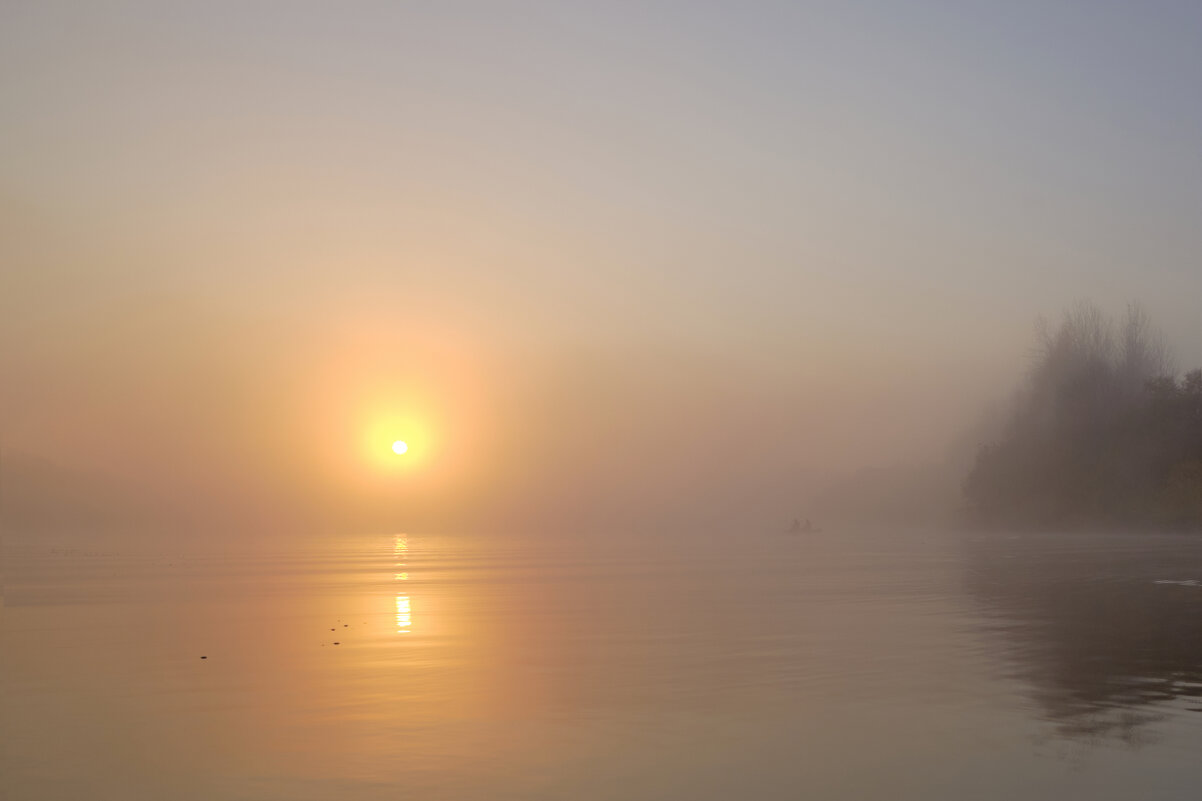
1101 432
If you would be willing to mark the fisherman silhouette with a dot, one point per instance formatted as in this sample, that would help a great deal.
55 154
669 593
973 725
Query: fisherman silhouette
797 527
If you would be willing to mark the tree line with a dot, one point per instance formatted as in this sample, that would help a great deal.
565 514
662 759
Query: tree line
1103 432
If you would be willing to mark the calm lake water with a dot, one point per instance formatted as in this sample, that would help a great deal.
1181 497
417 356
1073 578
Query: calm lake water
762 666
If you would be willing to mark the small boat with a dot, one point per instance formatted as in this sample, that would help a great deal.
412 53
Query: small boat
797 527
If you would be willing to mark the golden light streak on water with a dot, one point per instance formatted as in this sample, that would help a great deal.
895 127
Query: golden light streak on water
404 615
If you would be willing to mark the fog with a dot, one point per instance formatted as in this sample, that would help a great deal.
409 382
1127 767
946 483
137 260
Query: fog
665 269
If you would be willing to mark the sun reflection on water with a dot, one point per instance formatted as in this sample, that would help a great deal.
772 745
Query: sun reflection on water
404 617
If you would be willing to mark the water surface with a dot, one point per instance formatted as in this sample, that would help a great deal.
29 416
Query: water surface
839 665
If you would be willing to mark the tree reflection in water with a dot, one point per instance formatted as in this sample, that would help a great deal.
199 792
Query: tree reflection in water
1105 630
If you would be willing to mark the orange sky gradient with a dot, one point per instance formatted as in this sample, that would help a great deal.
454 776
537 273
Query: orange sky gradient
690 285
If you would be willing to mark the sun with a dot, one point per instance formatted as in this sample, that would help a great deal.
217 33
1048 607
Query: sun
399 447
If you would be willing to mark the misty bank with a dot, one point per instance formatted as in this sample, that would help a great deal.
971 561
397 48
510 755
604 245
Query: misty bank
1103 433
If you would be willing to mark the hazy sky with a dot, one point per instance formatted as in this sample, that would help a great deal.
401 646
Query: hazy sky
596 260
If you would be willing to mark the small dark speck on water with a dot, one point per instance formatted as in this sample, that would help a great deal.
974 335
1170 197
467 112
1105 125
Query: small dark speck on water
338 643
204 657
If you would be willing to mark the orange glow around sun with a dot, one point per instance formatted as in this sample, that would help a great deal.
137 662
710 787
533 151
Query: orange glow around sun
382 382
396 441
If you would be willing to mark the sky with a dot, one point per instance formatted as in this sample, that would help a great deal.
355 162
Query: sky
601 264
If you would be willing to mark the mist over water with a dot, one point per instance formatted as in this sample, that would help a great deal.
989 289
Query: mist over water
709 279
800 400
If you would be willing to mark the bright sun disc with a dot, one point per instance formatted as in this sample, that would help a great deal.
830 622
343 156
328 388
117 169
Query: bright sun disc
399 447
